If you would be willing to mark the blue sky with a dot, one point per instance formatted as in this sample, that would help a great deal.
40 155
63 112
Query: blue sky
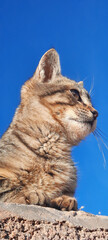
78 30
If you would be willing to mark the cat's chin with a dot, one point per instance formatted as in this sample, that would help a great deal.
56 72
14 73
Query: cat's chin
93 126
77 131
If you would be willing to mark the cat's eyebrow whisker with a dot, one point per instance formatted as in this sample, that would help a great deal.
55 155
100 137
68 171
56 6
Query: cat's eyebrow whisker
100 147
84 79
92 87
91 93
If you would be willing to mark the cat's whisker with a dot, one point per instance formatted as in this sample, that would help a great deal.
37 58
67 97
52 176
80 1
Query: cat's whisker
100 131
101 136
100 147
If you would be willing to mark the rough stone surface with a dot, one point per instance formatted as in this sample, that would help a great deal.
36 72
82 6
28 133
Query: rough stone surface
35 222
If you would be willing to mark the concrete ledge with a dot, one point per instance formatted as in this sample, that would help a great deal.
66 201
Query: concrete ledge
38 213
29 222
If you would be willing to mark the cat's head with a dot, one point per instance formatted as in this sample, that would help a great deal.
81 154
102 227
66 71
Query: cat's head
53 96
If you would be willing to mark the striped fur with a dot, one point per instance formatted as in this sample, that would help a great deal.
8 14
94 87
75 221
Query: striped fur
55 114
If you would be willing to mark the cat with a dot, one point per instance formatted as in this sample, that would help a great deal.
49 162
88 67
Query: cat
55 114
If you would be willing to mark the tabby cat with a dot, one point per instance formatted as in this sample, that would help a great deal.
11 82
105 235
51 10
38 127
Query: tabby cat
55 114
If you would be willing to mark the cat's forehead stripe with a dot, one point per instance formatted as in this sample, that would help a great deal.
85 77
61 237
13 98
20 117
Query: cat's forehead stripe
84 97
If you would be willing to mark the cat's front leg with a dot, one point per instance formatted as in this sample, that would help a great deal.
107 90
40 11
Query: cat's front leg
64 203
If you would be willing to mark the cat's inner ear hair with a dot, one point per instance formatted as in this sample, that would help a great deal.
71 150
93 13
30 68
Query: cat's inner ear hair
49 66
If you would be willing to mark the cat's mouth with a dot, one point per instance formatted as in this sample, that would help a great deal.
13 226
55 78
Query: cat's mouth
91 123
83 121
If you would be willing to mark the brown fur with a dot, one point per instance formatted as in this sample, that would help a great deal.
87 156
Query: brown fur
55 114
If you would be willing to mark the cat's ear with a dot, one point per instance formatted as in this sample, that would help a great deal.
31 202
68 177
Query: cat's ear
80 84
49 66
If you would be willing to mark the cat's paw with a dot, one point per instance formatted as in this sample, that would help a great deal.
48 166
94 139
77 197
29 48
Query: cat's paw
36 198
64 203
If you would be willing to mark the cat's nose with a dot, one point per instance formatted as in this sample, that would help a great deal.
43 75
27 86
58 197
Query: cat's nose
95 114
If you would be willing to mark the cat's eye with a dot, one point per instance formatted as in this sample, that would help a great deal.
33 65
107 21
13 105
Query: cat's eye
75 94
88 96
